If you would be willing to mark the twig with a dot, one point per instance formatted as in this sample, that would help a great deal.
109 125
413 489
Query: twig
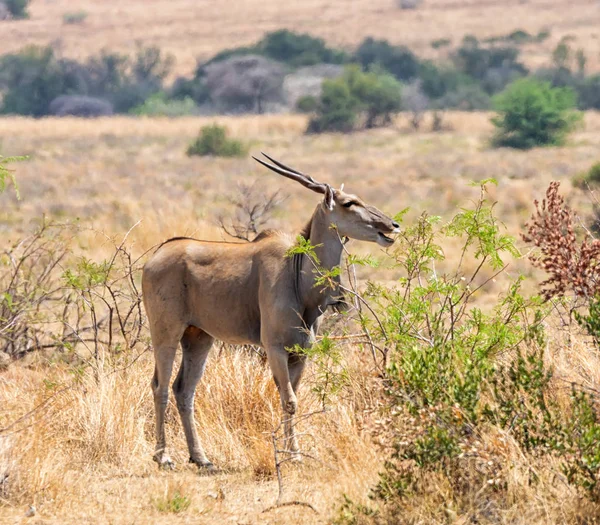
289 504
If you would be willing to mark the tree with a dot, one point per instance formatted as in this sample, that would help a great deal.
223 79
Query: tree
337 109
494 66
245 83
356 99
398 60
533 113
437 82
589 93
378 94
298 49
17 8
31 79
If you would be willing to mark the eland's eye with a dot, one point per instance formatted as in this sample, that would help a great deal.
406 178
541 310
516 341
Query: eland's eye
348 204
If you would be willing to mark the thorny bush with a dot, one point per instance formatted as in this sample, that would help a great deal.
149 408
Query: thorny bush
54 300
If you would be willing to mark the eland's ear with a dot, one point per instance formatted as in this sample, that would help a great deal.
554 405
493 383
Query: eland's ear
329 201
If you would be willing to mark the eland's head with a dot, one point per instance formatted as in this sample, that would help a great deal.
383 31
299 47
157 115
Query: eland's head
349 214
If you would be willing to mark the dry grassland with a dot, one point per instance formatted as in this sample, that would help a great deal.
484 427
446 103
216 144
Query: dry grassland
136 169
85 455
191 29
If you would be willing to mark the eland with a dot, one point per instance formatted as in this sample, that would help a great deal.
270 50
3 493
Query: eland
248 293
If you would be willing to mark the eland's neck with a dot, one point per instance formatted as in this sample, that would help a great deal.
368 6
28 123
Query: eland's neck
328 249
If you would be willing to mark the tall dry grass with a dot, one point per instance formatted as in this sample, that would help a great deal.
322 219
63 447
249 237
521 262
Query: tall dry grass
81 448
66 433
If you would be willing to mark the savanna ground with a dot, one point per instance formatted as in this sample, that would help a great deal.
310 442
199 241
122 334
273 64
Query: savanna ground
191 29
84 454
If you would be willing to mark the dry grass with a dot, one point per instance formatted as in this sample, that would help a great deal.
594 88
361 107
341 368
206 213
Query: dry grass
191 29
85 455
136 169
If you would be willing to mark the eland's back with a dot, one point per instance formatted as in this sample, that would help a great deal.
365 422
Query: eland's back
214 286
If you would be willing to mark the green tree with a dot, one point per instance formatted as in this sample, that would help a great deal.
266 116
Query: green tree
31 79
378 93
357 99
589 93
17 8
398 60
298 49
533 113
337 109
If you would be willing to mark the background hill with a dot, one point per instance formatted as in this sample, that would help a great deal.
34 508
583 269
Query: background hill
192 29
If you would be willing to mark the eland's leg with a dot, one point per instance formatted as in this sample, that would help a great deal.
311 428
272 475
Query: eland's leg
164 356
296 365
279 360
195 346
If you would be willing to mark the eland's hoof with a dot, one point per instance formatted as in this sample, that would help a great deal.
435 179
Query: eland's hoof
205 467
164 462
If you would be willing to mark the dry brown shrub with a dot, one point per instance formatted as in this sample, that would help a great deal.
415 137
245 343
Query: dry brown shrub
574 266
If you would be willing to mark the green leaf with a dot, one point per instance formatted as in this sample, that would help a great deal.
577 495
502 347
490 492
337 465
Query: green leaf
6 174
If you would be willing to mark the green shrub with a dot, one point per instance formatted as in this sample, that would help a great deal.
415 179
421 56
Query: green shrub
298 49
466 97
379 95
194 88
135 78
17 8
175 503
581 452
442 358
588 91
440 42
533 113
519 36
475 60
289 47
398 60
591 177
158 105
307 104
356 99
31 79
544 34
337 109
437 81
213 141
493 67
